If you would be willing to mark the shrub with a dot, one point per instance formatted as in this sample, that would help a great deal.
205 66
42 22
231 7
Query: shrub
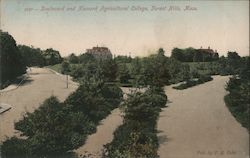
238 99
55 128
137 136
191 83
14 148
95 100
204 78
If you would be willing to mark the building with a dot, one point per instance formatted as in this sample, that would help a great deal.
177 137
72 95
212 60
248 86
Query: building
208 54
100 53
208 50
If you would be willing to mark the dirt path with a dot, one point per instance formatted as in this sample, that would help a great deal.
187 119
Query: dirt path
104 134
40 85
197 124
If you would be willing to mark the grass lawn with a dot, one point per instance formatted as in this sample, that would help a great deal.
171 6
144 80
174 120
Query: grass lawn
57 67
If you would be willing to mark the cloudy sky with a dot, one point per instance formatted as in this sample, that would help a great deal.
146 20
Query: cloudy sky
131 26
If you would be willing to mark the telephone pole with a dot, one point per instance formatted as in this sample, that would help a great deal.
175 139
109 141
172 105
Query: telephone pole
67 81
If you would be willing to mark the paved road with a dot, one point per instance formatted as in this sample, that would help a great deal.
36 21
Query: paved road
40 85
197 124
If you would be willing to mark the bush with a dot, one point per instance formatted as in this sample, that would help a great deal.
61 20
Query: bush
55 128
137 136
238 99
14 148
95 100
204 78
32 56
191 83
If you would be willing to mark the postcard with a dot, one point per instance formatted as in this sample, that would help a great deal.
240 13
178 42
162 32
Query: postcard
124 79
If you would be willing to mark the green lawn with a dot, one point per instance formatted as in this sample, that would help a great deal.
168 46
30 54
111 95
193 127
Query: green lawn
57 67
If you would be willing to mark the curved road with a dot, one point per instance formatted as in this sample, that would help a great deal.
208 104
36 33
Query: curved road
197 124
40 85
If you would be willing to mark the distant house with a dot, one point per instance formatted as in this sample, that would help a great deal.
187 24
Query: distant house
100 53
209 53
208 50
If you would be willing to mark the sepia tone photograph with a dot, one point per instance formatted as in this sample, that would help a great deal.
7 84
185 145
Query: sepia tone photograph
124 79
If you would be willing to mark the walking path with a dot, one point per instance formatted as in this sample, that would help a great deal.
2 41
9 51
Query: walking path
197 124
104 134
94 145
40 85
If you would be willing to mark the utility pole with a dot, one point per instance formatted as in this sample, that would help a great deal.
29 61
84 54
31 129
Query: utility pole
65 70
67 80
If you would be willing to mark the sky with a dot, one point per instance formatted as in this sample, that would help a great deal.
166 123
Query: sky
72 26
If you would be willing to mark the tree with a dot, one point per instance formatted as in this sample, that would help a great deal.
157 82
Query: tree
52 57
152 70
175 69
178 54
95 99
215 56
11 61
65 67
31 56
14 148
189 54
86 58
161 52
123 73
136 71
52 130
155 71
122 59
245 69
233 55
137 136
238 98
197 57
234 62
109 69
73 59
185 72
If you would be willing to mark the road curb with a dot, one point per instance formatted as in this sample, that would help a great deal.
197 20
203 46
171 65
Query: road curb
62 75
4 107
15 86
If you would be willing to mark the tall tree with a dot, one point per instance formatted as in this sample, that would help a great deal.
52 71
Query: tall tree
234 62
32 56
123 73
73 59
65 67
52 56
11 61
109 69
178 54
